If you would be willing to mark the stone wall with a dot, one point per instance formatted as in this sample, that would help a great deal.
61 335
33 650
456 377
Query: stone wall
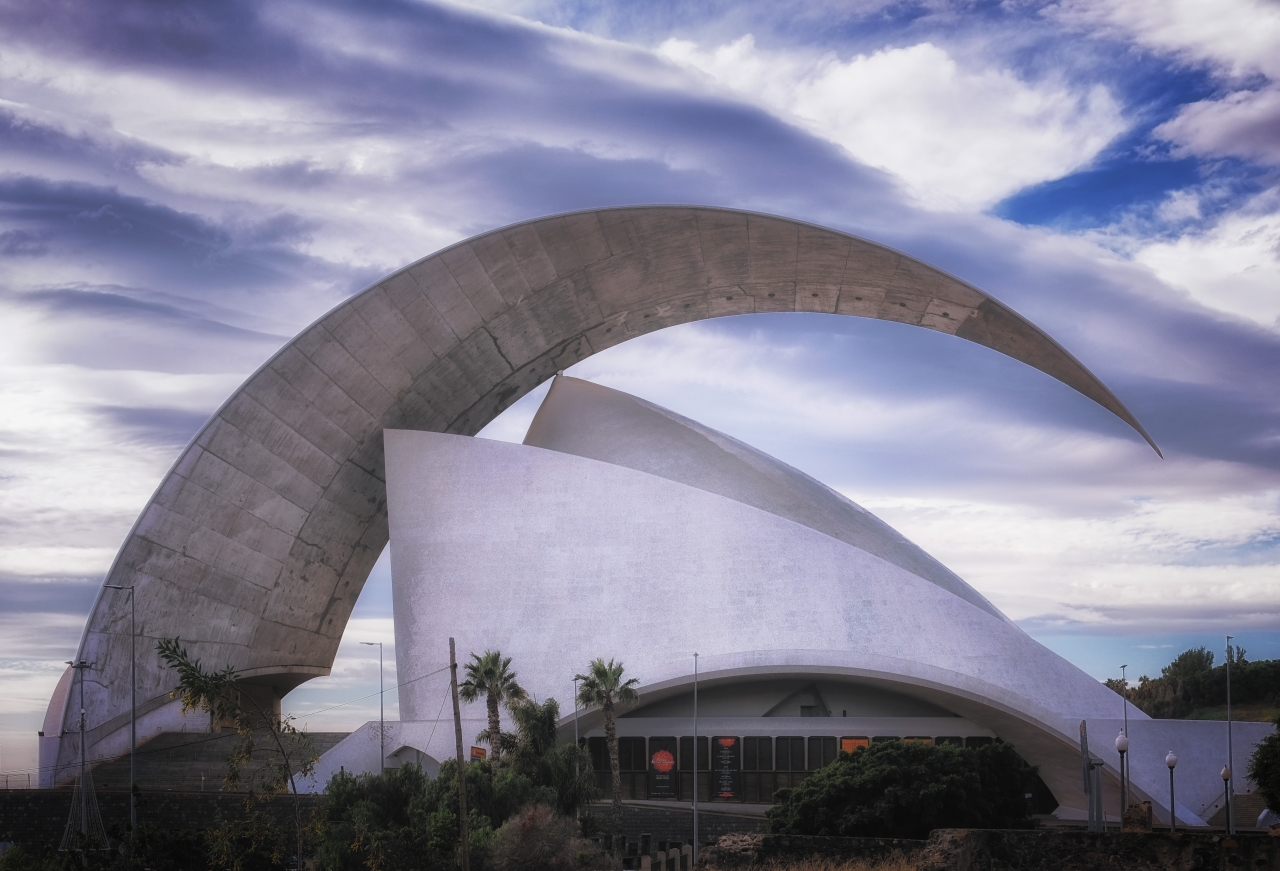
676 823
1010 850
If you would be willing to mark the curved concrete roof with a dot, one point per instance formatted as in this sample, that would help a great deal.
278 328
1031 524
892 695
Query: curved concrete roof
258 541
590 420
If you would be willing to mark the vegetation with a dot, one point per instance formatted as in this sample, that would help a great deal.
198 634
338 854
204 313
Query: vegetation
1192 688
539 839
1264 768
403 820
491 676
289 755
602 686
901 790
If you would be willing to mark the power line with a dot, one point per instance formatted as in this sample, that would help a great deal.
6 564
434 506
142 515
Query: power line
141 751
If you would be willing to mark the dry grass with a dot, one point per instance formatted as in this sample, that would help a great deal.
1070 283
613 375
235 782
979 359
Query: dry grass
893 863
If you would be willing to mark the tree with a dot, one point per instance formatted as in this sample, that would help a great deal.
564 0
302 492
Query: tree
564 770
901 790
604 687
290 754
490 675
1264 768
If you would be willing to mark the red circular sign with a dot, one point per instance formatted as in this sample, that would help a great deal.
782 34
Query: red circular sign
663 761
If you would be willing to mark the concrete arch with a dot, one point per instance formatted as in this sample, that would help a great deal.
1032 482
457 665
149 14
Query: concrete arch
258 541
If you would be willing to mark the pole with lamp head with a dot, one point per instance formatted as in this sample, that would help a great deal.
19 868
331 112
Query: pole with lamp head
1225 774
1231 822
696 748
1172 761
382 723
133 710
1122 747
577 814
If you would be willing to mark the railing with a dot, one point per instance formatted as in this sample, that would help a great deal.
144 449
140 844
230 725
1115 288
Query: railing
758 787
8 779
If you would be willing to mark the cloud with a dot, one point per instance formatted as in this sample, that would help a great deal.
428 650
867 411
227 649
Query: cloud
1237 36
959 138
1233 266
1243 124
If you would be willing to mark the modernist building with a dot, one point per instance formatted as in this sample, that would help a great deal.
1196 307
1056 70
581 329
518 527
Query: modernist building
621 529
257 543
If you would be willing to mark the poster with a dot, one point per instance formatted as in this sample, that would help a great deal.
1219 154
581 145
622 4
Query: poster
726 769
662 768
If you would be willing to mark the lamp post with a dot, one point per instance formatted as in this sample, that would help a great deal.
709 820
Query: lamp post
695 759
133 712
1122 747
577 814
1172 762
1225 774
1231 822
382 723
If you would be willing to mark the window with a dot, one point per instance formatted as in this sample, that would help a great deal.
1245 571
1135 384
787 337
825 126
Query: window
884 739
848 745
599 754
918 739
789 754
757 754
978 741
822 751
631 755
949 739
686 753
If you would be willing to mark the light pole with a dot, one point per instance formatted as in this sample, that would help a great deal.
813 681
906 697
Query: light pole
382 723
1124 774
577 814
1231 822
1225 774
133 711
695 759
1122 747
1172 762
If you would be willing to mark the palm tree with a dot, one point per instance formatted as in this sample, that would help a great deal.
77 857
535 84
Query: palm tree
603 686
490 675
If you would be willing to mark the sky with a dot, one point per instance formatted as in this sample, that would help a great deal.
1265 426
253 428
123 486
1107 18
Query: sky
185 186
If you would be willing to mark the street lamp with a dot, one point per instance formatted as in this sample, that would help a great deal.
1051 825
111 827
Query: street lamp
382 723
1225 774
1172 761
133 711
1231 823
1124 696
1122 747
694 857
577 742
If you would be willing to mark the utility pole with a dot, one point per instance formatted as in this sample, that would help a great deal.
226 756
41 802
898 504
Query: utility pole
382 722
462 771
1230 769
133 714
695 758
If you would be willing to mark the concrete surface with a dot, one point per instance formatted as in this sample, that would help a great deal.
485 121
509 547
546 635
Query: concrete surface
257 542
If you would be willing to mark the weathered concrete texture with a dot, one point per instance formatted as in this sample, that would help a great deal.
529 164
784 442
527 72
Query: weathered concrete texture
255 546
1014 850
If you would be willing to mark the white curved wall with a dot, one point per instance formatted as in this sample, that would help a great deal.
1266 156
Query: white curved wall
556 559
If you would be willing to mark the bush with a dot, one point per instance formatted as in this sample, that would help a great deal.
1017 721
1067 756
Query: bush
900 790
1264 768
539 839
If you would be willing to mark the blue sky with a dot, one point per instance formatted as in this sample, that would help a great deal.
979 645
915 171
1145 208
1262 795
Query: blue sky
184 186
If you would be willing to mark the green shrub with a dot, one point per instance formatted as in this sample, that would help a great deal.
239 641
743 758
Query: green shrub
901 790
1264 768
539 839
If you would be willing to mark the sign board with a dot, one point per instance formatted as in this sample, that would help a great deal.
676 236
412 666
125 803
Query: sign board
662 768
726 768
478 753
